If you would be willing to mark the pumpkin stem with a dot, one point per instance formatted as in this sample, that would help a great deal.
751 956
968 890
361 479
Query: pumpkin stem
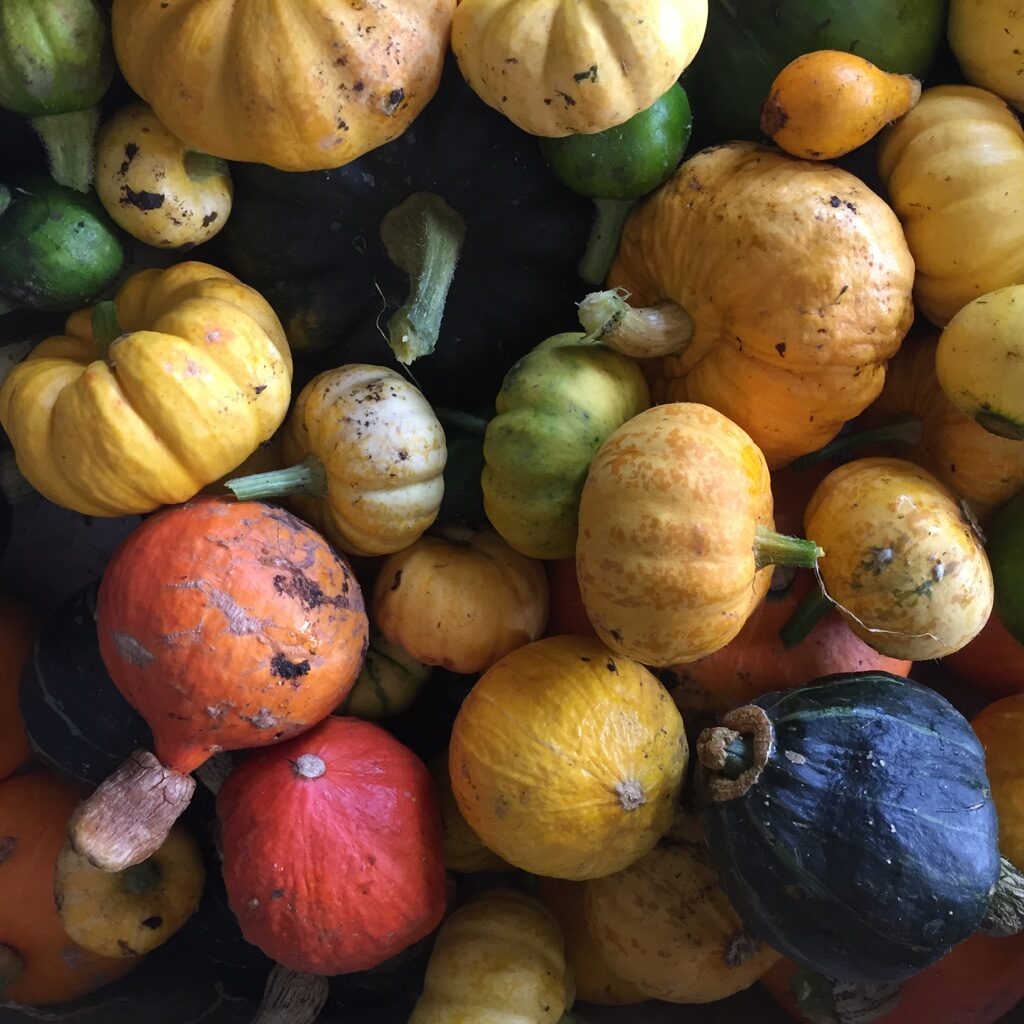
771 548
292 997
609 220
308 477
126 820
69 140
463 420
140 878
11 967
905 431
309 766
200 166
824 1001
1005 914
1001 426
731 756
812 609
661 330
423 236
105 328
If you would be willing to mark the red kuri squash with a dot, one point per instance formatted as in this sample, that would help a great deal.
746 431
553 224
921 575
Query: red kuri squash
992 663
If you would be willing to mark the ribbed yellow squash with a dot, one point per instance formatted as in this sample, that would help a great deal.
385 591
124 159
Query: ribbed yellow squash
561 67
298 84
199 379
987 37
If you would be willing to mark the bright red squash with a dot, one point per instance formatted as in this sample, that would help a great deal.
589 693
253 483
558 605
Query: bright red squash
992 663
333 857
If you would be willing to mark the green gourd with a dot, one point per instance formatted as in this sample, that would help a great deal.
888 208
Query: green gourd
389 681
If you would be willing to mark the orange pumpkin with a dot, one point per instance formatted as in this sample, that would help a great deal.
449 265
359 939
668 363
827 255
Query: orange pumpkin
567 614
17 631
34 812
1000 727
992 663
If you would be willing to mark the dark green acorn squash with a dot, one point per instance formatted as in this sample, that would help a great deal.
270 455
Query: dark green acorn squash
748 42
78 723
311 243
1006 553
851 824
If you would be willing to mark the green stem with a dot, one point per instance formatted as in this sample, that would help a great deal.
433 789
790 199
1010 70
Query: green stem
423 236
1005 914
824 1001
200 166
11 967
609 220
140 878
771 548
660 330
908 431
1001 426
812 609
463 420
70 141
105 328
308 477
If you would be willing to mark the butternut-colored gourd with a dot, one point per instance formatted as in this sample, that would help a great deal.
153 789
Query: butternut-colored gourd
987 37
556 69
954 170
567 759
298 84
980 361
828 103
782 285
154 187
901 561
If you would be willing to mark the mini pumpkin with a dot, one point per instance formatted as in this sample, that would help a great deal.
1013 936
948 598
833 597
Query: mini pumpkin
566 759
388 683
145 401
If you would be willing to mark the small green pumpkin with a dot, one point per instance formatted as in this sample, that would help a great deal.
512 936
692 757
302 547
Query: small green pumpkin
390 680
556 407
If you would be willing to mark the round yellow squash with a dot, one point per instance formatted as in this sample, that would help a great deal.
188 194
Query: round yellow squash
498 959
154 187
565 67
902 562
666 925
194 375
987 37
567 760
790 284
676 536
301 85
954 170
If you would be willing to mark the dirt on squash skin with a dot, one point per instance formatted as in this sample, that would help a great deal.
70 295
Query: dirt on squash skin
773 116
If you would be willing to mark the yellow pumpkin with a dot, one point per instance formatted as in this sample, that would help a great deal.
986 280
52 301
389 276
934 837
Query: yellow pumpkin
499 958
130 912
987 37
596 982
464 851
460 598
194 375
954 169
154 187
666 924
556 69
902 563
782 285
827 103
566 759
301 85
676 537
369 456
980 361
1000 727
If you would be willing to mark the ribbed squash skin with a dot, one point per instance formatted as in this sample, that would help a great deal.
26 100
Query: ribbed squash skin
867 848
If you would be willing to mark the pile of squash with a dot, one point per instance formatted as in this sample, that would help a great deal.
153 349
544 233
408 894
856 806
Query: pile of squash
572 467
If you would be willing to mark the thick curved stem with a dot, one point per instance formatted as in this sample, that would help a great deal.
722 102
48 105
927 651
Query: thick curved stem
732 755
70 143
423 236
771 548
907 431
812 609
609 219
105 328
1006 907
291 997
308 477
661 330
824 1001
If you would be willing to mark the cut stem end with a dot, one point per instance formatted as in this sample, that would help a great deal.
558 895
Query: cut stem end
308 477
771 548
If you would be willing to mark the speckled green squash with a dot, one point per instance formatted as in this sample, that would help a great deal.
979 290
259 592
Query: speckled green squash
556 407
389 681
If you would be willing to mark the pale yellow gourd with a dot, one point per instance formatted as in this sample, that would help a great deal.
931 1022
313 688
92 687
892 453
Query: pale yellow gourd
987 37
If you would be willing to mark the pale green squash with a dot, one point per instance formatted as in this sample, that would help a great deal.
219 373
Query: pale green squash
389 681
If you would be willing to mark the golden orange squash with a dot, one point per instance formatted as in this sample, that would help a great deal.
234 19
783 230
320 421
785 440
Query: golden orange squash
1000 727
781 286
298 84
567 759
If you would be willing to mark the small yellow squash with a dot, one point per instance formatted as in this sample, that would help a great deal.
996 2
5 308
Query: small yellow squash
954 169
557 68
665 924
464 851
499 959
828 103
902 562
460 598
154 187
301 85
368 455
980 361
121 416
567 760
130 912
987 37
